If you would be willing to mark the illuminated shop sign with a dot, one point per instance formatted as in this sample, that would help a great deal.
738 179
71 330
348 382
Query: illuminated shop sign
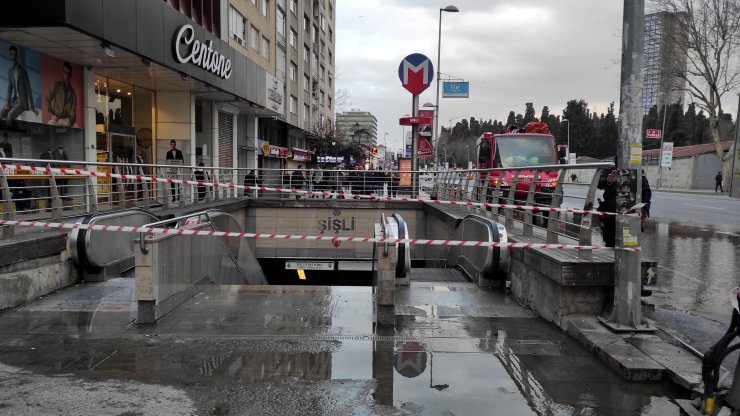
188 49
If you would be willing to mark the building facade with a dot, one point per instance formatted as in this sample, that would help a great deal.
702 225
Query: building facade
665 51
118 81
359 126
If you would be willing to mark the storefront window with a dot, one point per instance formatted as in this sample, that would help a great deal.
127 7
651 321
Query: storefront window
123 121
203 132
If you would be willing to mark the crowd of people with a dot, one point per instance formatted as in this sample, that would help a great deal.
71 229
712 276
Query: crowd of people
342 179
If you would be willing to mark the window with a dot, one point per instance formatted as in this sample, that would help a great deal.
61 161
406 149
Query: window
293 38
294 7
322 98
322 48
331 56
329 80
265 48
254 2
306 112
331 11
255 38
306 82
293 71
321 73
329 103
306 23
237 26
280 57
331 35
306 53
323 24
266 8
293 104
280 26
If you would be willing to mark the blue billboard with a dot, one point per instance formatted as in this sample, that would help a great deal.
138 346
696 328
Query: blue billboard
455 89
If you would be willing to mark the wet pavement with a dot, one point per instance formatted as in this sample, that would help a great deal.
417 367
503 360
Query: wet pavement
697 268
455 349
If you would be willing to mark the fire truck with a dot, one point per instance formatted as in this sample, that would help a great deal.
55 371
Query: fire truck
516 147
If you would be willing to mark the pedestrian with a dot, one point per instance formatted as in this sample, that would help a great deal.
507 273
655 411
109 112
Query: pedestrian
251 180
608 182
174 157
201 176
718 182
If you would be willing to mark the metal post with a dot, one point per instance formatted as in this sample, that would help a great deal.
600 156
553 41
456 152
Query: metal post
626 314
435 133
734 176
662 136
414 145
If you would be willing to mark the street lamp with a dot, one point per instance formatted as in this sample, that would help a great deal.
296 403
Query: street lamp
385 150
451 9
567 154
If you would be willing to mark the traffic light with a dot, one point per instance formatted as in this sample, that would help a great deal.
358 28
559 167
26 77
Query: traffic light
374 151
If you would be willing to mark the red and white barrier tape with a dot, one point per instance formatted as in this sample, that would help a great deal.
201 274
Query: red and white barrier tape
82 172
414 241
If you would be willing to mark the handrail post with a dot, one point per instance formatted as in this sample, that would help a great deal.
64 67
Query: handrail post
585 235
557 200
529 214
56 202
509 212
8 212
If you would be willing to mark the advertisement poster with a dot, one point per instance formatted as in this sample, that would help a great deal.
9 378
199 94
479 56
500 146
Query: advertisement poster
63 95
404 172
424 142
20 84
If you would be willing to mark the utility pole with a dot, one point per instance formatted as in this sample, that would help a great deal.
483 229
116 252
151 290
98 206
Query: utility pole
627 313
733 180
662 137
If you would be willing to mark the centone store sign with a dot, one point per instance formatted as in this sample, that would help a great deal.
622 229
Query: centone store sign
188 49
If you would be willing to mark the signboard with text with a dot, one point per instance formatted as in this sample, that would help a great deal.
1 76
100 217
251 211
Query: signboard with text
666 155
653 134
455 89
424 142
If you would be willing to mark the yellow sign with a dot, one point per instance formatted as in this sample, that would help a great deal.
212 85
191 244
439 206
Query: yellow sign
266 148
636 155
404 172
628 239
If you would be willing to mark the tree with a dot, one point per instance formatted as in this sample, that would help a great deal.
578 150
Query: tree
528 114
711 35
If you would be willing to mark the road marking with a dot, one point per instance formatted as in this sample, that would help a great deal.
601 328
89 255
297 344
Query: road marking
704 206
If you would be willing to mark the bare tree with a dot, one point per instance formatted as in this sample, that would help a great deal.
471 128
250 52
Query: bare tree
711 67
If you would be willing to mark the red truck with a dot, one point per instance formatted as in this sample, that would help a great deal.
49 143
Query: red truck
531 146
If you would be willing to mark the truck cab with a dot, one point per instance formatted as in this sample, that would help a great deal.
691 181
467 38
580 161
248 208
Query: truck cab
531 146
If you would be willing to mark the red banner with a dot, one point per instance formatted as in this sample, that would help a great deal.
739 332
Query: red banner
424 141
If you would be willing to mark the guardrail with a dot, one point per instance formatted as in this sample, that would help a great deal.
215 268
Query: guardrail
47 192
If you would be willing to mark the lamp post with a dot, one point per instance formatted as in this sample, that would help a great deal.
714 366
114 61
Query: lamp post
662 136
567 153
451 9
385 150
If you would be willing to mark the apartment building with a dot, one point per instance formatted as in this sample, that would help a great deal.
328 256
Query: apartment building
361 126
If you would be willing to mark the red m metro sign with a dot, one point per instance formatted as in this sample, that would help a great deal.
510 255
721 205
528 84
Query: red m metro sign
416 73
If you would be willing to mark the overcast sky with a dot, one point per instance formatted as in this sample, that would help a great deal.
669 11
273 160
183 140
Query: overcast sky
511 51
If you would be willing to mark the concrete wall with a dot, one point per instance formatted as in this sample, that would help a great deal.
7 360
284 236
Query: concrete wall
175 268
25 281
696 172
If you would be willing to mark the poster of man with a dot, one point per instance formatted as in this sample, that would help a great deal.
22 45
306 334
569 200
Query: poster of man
19 84
61 84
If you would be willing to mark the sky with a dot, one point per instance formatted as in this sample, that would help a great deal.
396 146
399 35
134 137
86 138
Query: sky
510 51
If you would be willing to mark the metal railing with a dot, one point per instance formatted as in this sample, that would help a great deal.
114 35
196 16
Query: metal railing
45 194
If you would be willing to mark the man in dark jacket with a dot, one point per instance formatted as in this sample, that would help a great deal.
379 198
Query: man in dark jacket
608 182
718 182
